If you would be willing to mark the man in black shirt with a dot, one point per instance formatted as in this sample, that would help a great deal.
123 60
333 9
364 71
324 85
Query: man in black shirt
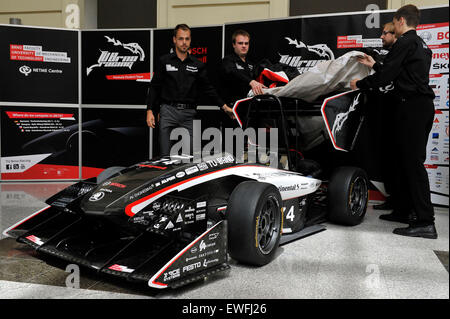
237 72
385 124
404 75
175 89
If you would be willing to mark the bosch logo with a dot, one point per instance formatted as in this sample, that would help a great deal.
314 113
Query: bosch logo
96 197
24 69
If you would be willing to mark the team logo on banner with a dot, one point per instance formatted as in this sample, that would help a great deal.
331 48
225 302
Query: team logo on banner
114 60
322 51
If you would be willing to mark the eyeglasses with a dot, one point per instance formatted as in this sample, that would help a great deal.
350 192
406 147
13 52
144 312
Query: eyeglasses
386 32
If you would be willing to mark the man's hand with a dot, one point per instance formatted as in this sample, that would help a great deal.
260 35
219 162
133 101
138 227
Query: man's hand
150 119
353 84
229 111
367 60
257 87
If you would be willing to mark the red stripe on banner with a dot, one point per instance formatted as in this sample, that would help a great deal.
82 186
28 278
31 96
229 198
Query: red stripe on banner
135 76
438 46
432 26
36 115
88 172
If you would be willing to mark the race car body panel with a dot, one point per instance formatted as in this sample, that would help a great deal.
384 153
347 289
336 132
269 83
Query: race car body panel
161 221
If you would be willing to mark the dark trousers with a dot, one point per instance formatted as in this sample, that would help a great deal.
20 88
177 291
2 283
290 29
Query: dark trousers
413 123
387 146
171 118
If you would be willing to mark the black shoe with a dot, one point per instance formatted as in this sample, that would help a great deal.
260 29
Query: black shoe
395 217
418 231
385 206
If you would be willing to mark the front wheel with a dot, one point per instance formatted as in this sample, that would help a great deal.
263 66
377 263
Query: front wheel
254 222
348 195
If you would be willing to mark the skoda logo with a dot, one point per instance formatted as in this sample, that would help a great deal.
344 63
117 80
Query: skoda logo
96 197
25 69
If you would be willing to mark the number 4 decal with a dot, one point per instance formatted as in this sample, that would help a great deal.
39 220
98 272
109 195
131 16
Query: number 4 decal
290 215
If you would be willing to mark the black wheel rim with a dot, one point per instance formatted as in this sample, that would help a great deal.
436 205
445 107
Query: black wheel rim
268 226
358 196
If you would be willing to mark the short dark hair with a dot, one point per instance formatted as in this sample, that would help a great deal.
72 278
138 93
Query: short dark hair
410 13
181 26
239 32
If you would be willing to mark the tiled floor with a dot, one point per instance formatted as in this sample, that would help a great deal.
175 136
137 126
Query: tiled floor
366 261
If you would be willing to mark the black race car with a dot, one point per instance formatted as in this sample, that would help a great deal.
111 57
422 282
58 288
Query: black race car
170 221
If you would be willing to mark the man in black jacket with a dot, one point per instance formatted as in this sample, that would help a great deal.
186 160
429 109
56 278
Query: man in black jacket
175 89
385 124
404 75
237 72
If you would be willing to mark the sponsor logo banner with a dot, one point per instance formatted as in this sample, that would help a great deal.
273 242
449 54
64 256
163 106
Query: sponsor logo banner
20 52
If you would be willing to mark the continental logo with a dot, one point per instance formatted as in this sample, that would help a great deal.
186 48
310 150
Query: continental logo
289 188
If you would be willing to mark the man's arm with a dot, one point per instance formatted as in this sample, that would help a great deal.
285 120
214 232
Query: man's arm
233 74
154 92
390 69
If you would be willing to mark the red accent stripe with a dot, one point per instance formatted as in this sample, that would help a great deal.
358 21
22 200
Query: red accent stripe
235 108
326 120
376 195
152 166
130 206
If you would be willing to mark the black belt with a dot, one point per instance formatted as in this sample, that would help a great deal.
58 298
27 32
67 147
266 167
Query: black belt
182 106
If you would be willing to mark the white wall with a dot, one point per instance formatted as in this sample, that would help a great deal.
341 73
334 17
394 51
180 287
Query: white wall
395 4
72 14
210 12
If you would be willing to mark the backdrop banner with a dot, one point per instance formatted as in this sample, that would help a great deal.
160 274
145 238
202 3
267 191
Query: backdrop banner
39 142
113 137
38 65
115 66
42 66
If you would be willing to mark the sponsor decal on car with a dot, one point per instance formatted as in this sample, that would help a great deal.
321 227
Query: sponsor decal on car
96 196
35 240
121 268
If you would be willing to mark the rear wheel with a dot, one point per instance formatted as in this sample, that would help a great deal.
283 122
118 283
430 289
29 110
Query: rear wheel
348 195
254 222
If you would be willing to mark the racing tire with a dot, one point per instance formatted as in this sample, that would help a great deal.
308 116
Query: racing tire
255 223
348 196
108 173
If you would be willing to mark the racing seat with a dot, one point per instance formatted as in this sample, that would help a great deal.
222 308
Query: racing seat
294 134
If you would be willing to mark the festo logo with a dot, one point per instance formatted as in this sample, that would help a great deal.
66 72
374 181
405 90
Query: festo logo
25 69
114 60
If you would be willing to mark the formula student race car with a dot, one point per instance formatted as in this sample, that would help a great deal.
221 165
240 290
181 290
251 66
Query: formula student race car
171 221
